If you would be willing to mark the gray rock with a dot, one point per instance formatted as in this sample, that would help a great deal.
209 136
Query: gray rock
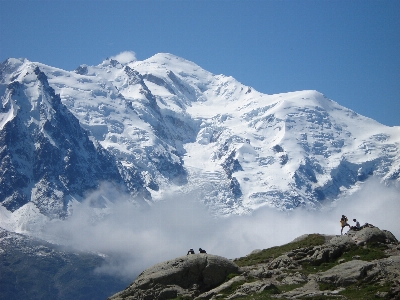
370 235
255 287
348 273
219 289
255 251
260 272
341 240
290 254
310 288
390 267
249 288
202 276
168 293
236 296
282 261
190 274
332 249
295 279
381 295
326 253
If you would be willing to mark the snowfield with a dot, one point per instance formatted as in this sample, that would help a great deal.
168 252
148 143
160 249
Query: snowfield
166 126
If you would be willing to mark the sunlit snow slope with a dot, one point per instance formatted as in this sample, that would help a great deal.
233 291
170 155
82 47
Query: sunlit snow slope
164 126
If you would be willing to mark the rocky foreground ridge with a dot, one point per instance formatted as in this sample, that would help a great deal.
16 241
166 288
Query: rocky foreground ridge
362 264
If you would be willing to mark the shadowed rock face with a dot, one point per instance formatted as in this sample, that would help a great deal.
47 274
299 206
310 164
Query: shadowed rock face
187 275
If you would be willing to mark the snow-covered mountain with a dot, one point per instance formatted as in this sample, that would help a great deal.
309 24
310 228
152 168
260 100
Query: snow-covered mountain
165 126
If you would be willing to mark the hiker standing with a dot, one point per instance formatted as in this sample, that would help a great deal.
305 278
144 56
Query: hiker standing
343 223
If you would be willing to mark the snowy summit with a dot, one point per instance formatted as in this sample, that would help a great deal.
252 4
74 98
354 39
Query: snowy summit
165 125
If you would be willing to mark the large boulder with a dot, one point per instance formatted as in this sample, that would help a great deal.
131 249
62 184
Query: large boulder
372 235
187 276
337 245
390 268
354 271
282 261
348 273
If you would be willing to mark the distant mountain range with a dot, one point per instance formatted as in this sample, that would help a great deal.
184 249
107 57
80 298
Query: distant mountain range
34 269
166 125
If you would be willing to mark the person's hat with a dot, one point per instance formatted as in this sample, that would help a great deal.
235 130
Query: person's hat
354 220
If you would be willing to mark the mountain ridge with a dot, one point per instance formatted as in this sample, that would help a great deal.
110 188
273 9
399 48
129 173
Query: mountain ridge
167 124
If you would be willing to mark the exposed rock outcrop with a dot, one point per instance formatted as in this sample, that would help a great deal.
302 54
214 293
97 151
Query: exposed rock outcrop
187 275
366 262
348 273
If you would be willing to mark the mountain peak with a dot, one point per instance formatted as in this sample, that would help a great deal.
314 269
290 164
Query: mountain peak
165 123
172 61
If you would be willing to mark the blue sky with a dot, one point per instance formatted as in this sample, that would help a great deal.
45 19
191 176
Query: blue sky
348 50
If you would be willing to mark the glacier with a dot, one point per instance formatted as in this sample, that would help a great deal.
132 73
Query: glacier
165 126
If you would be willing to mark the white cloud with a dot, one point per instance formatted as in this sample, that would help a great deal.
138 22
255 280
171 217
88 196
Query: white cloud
136 238
125 57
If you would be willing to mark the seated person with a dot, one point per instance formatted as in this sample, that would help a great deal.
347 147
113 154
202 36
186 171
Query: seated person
357 227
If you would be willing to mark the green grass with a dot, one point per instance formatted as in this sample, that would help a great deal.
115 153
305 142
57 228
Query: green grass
322 297
326 286
230 276
182 298
365 291
268 294
353 292
229 290
289 287
267 255
369 253
312 269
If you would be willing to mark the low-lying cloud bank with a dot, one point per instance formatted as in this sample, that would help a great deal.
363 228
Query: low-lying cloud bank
135 239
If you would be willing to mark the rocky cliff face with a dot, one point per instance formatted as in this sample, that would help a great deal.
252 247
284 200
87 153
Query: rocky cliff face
362 264
45 155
